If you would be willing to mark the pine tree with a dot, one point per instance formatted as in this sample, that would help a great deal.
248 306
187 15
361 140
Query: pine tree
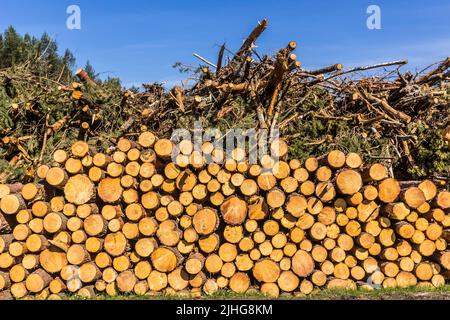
10 53
43 52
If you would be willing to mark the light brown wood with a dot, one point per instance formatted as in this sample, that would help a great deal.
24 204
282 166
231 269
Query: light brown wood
110 190
11 203
443 200
56 177
137 221
266 271
52 260
234 210
239 282
349 182
165 259
37 281
388 190
302 263
414 197
205 221
126 281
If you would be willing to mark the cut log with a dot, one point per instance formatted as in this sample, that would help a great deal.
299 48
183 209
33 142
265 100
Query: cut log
18 290
405 279
443 200
55 222
56 177
234 211
323 174
110 190
5 281
126 281
163 148
194 264
336 159
414 197
209 243
80 149
115 244
145 246
32 191
311 164
89 272
37 281
275 198
279 148
239 282
325 191
168 233
353 160
165 259
375 172
36 243
205 221
178 279
428 188
266 271
388 190
302 263
288 281
147 139
397 211
52 260
11 203
95 225
444 259
349 182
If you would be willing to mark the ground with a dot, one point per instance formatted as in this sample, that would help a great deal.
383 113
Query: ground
414 293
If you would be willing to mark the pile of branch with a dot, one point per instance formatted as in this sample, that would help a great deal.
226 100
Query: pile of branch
398 118
132 220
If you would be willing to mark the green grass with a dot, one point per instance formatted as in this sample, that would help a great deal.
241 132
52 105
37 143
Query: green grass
326 294
382 294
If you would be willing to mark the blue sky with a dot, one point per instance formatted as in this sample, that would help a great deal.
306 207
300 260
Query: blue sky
139 41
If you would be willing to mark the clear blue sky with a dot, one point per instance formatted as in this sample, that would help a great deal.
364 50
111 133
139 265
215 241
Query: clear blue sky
139 41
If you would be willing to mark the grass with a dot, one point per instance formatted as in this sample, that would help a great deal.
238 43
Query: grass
411 293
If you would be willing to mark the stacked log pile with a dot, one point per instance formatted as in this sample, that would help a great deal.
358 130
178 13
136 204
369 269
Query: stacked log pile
131 220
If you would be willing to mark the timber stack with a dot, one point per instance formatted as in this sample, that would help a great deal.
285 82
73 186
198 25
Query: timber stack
132 220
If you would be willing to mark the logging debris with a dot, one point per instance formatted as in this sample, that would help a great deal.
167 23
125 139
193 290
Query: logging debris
398 118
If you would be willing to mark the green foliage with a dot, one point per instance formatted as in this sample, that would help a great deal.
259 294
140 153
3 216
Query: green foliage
30 70
184 68
432 153
42 52
316 137
89 68
14 173
6 122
